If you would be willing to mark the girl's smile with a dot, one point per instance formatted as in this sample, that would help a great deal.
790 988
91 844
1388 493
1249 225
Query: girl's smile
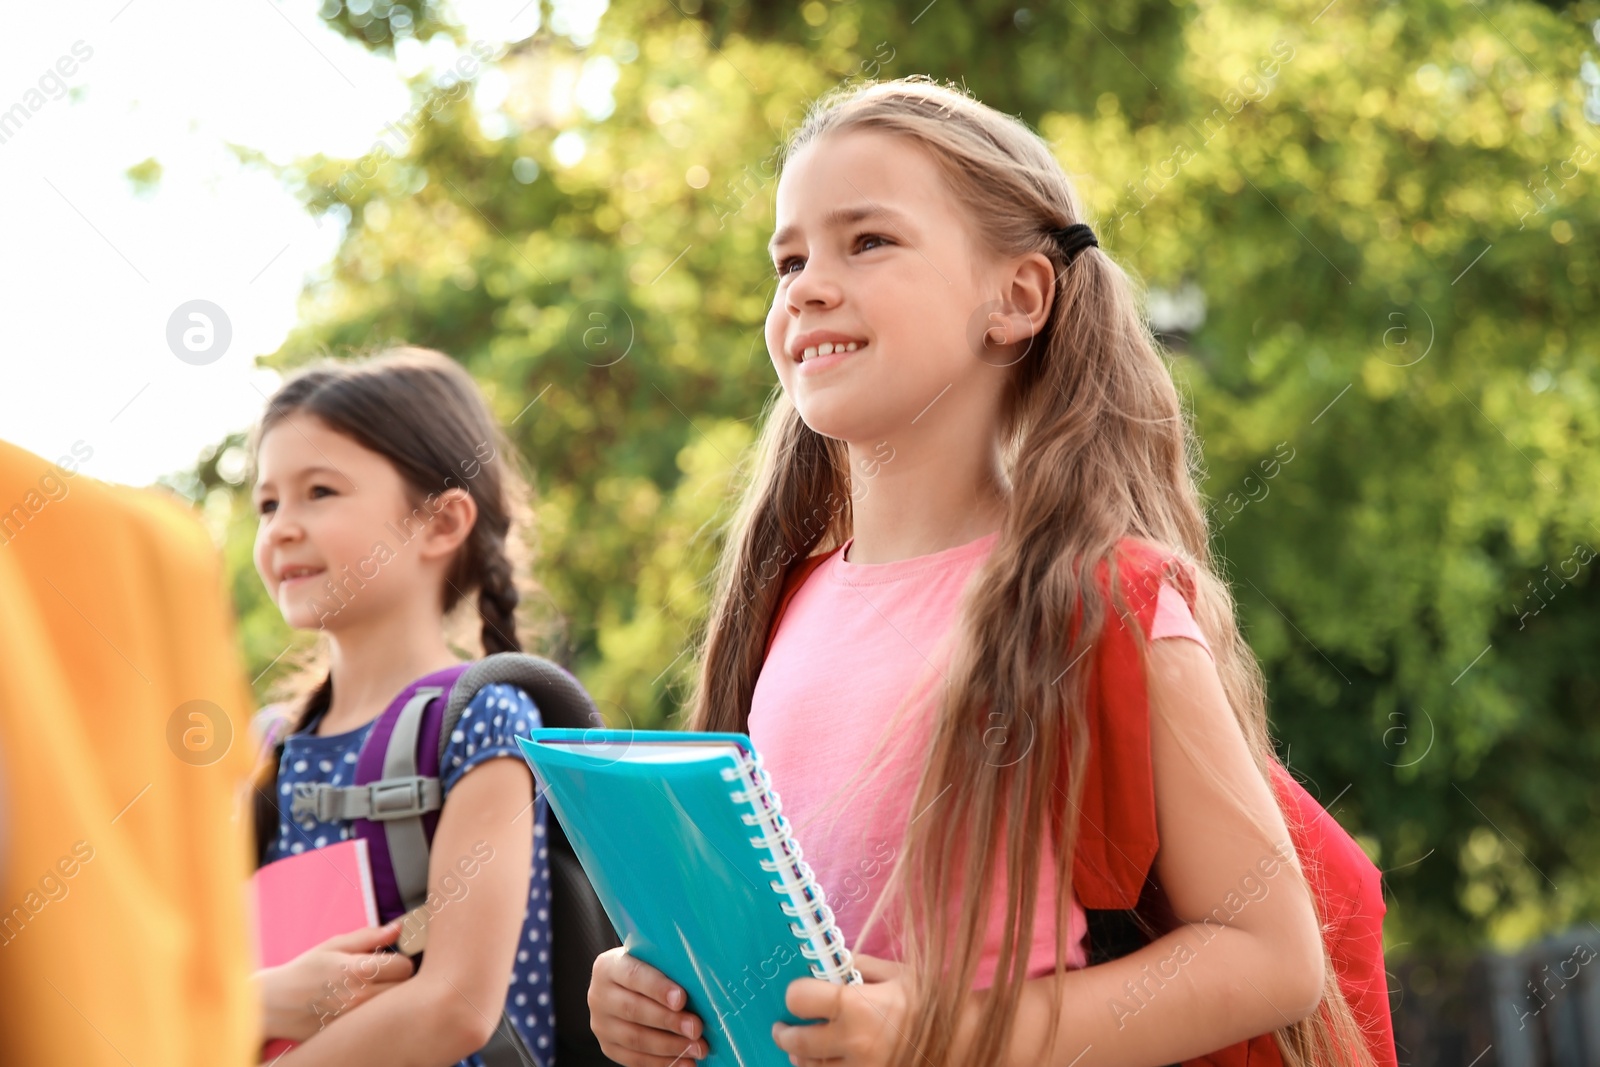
292 578
822 348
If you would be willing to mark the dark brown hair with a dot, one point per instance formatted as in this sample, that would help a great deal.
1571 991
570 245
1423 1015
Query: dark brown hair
1097 449
423 412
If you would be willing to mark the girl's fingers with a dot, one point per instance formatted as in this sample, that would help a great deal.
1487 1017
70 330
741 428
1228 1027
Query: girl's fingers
630 972
636 1008
365 939
633 1010
639 1059
812 998
815 1041
623 1036
384 967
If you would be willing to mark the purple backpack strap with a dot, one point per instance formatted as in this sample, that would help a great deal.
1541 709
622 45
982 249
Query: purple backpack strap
370 768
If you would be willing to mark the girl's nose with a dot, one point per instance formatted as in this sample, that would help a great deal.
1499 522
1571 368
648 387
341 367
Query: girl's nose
815 287
285 526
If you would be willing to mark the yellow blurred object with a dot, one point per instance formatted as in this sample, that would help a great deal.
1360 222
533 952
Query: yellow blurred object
124 742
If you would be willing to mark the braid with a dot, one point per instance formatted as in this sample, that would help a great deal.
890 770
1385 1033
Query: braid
497 597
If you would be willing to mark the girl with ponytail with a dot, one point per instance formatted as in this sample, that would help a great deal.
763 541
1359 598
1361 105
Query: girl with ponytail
968 615
387 496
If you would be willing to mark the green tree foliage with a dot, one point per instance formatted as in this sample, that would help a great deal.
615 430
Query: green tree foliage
378 24
1370 230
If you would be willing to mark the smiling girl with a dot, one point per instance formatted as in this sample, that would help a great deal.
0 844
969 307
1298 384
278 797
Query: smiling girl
387 496
1000 682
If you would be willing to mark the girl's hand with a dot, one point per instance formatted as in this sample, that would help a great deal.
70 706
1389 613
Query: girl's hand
862 1024
300 997
636 1012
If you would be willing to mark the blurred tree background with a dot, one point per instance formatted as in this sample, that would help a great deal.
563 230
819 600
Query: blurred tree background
1369 233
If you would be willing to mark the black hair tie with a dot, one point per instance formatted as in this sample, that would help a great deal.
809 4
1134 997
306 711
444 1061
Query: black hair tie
1074 239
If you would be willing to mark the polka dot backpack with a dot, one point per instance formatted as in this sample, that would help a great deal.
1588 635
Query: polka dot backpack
395 805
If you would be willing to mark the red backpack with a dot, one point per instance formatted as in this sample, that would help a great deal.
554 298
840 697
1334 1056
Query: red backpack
1117 842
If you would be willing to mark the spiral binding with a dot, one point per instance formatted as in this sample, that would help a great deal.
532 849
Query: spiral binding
807 903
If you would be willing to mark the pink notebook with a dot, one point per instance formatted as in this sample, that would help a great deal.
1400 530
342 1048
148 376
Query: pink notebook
303 900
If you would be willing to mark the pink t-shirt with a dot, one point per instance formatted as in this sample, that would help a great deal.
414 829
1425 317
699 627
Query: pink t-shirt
856 640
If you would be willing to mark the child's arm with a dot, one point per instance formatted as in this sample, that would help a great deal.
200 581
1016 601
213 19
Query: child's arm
1248 955
1256 966
449 1010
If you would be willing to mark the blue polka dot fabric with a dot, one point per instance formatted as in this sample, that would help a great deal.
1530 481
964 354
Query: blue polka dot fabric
485 731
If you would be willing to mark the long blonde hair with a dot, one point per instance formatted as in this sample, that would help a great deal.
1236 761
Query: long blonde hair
1097 448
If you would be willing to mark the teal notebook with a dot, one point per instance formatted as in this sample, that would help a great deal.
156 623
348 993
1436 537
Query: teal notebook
682 837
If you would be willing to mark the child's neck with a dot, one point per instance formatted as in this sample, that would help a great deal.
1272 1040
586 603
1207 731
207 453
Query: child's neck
908 509
370 668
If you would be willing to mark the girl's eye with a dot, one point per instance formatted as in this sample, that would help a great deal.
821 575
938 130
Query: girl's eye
319 491
266 507
860 243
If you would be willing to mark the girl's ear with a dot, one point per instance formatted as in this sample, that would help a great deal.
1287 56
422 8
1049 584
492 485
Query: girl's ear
1027 293
451 516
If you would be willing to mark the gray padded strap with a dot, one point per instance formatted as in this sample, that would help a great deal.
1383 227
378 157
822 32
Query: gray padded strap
390 798
408 842
560 698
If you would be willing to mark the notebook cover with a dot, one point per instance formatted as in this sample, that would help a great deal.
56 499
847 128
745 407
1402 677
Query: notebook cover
302 900
673 865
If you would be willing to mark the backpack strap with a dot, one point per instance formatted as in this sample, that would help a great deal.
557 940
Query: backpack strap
401 794
560 698
1117 837
397 793
405 797
400 760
